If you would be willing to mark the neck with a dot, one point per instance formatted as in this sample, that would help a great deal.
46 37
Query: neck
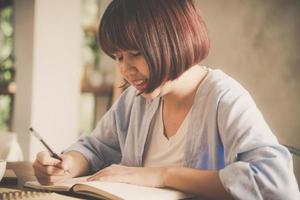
180 92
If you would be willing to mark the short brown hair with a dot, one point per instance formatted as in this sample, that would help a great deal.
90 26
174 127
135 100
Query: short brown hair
170 34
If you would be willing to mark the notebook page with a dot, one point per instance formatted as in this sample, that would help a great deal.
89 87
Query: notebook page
59 186
134 192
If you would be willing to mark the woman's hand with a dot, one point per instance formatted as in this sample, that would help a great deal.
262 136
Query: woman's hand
49 170
146 176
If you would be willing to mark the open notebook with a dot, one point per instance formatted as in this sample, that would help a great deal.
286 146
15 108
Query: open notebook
110 190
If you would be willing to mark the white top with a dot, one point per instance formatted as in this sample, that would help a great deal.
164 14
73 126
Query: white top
162 151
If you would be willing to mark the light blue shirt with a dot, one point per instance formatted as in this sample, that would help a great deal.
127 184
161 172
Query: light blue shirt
226 132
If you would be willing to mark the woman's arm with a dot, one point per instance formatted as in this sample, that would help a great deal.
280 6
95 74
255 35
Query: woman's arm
257 166
200 182
90 153
79 165
103 146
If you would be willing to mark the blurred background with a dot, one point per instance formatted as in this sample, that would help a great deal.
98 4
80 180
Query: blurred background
54 78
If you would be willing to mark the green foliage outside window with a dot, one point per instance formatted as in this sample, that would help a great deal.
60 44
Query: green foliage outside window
7 72
6 44
89 21
4 112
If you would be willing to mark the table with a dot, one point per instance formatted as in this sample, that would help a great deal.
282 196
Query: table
24 172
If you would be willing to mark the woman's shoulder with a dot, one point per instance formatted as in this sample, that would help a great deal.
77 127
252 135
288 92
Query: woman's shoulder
218 84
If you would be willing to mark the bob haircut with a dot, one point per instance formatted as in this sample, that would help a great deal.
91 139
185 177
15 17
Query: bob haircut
170 34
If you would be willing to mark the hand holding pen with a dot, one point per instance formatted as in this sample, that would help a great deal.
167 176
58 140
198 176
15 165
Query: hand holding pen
49 167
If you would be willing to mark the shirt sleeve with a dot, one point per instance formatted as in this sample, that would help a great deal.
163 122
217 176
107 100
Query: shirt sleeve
101 148
104 145
257 166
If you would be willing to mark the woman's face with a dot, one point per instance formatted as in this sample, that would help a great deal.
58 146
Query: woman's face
135 71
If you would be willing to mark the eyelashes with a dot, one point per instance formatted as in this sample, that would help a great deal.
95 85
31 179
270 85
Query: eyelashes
130 54
118 59
136 54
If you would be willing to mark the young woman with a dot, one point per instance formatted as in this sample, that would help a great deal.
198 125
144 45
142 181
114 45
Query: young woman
179 124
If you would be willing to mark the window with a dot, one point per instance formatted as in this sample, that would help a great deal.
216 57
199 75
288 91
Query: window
97 80
7 71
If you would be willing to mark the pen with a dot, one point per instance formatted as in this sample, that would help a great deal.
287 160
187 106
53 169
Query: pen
53 155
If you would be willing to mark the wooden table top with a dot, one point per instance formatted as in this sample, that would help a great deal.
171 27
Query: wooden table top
24 172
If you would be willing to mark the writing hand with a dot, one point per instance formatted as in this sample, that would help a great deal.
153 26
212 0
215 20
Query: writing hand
146 176
49 170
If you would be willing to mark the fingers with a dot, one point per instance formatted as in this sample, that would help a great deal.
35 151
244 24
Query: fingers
45 158
110 173
48 180
95 176
112 178
49 170
65 163
134 175
102 173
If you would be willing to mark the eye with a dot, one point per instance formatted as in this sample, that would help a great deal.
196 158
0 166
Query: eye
135 54
118 58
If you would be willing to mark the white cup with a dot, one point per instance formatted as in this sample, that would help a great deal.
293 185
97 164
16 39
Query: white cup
2 168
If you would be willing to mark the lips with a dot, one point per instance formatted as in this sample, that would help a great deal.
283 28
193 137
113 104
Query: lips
140 84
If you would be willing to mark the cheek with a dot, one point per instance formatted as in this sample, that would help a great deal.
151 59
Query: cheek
121 70
143 68
123 75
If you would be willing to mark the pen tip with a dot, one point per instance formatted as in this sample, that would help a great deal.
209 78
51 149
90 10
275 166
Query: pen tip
31 129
